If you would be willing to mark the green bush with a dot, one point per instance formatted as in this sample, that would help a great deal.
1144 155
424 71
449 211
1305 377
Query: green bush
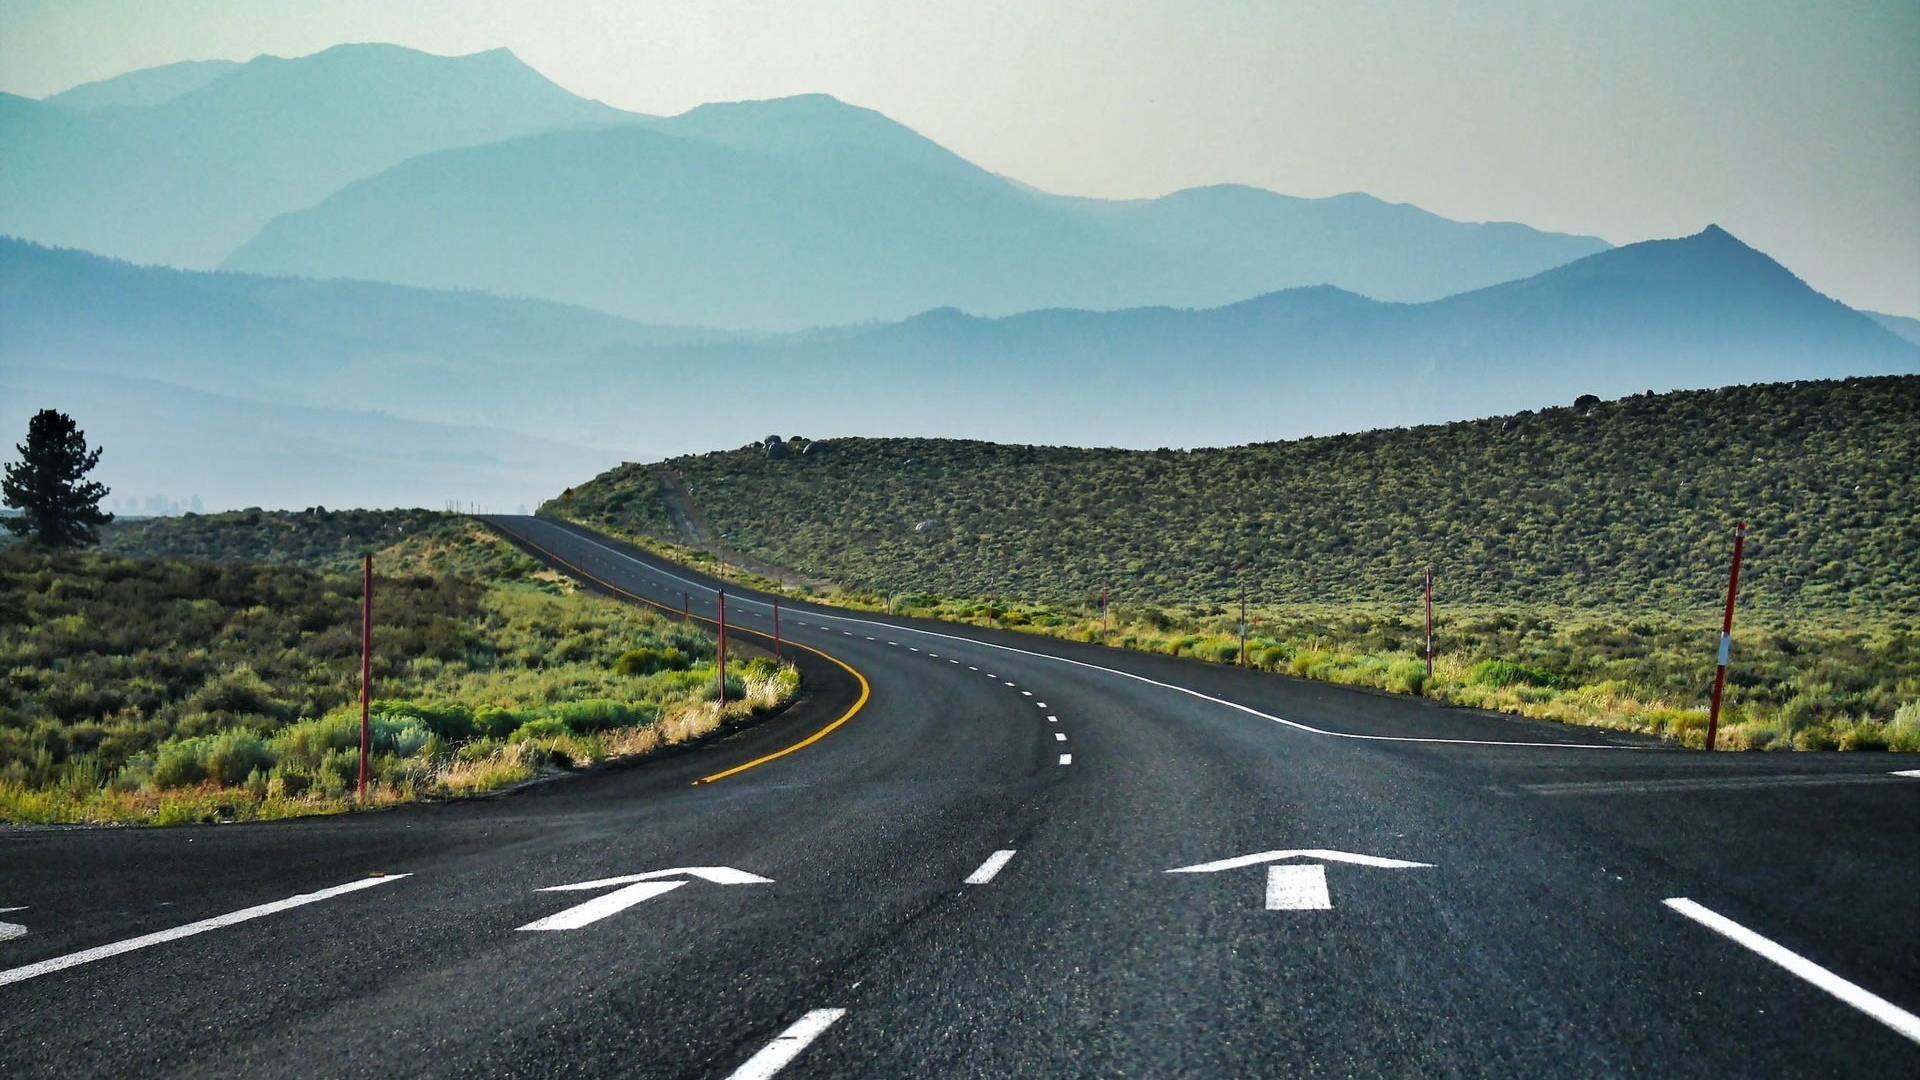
1503 673
179 764
585 717
451 722
1407 676
649 661
547 727
230 757
401 736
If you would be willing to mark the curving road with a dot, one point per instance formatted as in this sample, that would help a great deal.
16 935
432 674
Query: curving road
952 858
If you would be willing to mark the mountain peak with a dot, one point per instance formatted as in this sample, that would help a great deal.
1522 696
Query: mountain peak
816 123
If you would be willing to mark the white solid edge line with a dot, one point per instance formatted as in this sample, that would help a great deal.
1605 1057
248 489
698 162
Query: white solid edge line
787 1045
1066 759
1852 993
101 952
1249 710
992 866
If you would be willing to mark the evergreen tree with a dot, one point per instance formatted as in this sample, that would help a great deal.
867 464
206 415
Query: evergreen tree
56 508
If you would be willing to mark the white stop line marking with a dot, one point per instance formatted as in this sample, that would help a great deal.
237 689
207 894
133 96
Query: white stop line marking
787 1045
1852 993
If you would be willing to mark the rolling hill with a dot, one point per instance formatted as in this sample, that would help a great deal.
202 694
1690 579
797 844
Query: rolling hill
1625 505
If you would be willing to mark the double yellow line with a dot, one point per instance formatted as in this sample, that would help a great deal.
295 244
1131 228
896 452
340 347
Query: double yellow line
866 690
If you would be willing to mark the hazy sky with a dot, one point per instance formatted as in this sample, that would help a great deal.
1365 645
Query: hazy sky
1794 125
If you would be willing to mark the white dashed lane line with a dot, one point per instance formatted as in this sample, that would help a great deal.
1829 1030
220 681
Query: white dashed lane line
1066 759
1059 736
1053 719
787 1045
101 952
988 869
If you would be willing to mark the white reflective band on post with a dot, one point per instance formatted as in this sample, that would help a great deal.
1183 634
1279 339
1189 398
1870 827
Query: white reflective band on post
1726 648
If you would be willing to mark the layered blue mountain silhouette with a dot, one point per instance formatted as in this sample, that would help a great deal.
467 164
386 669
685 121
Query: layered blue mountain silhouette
799 265
380 163
140 172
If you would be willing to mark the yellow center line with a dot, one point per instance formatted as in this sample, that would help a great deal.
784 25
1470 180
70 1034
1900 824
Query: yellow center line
866 689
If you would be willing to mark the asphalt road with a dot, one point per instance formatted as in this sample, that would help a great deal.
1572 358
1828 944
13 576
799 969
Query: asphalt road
853 911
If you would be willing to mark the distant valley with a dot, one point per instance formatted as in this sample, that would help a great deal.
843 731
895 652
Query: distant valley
1697 312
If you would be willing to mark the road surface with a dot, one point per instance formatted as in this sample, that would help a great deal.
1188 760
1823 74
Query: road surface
1012 856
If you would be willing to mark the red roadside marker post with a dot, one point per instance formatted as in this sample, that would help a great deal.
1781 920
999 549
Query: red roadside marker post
1429 622
1726 635
1243 628
366 666
722 601
1106 623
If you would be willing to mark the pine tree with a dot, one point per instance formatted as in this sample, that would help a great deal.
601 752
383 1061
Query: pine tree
56 508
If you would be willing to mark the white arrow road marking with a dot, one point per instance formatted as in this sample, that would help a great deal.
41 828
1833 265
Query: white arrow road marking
87 956
719 875
600 907
639 889
1298 887
787 1045
1302 853
11 930
1852 993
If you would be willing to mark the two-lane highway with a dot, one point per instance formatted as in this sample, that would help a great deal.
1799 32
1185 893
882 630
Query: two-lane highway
990 854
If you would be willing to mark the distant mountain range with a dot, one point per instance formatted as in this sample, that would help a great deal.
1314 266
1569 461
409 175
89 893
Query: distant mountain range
180 165
1697 312
381 163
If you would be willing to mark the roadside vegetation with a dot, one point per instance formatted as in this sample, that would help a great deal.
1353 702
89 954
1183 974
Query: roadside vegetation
331 541
1580 552
173 689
